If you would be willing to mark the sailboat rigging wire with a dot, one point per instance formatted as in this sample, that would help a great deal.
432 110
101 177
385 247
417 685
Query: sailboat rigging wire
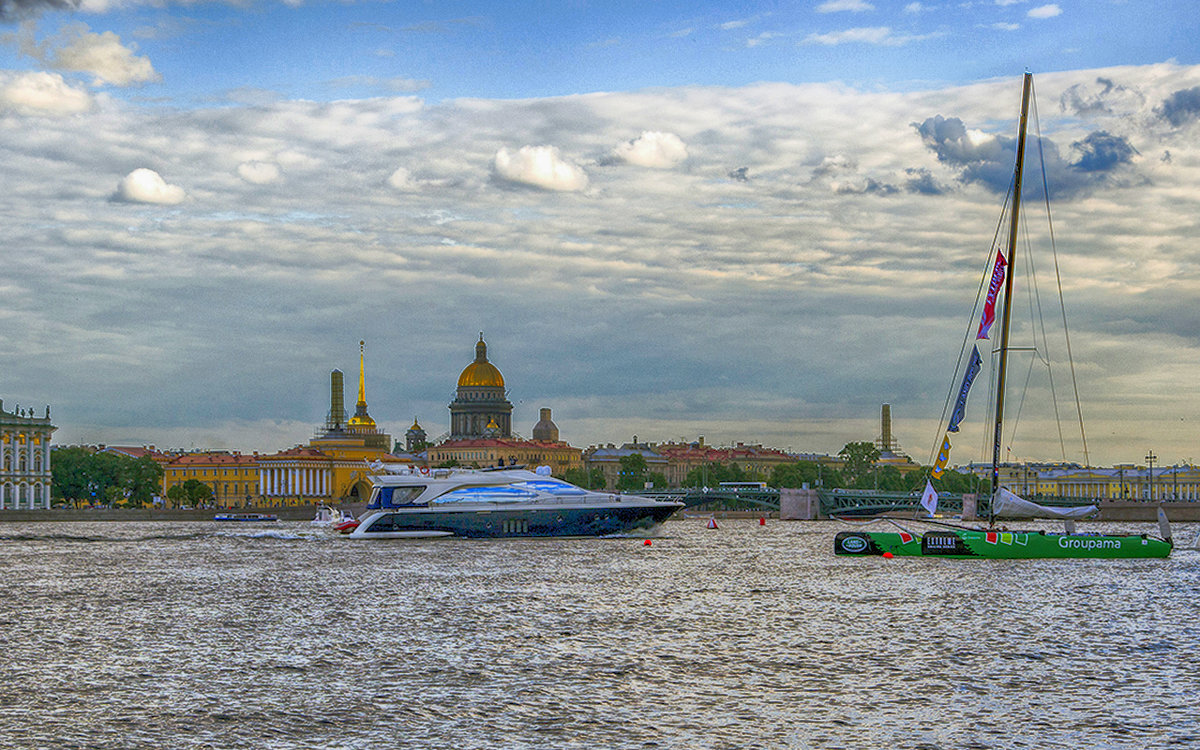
968 335
1058 279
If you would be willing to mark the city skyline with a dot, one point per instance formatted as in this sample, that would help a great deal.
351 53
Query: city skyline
669 220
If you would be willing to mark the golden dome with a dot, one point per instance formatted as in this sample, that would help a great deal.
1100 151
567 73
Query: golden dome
481 373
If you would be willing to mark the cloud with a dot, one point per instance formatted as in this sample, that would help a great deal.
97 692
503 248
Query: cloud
838 6
540 166
147 186
955 144
41 94
874 35
1101 152
259 172
1045 11
653 149
1181 107
78 50
989 160
1103 96
16 10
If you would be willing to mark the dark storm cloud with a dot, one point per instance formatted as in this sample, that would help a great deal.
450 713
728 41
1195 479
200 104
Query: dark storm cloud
1101 152
1181 107
16 10
921 181
989 160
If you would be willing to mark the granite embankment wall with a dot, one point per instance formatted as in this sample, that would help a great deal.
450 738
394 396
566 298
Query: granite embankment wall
298 513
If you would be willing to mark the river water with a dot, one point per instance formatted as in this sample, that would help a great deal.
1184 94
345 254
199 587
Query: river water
199 635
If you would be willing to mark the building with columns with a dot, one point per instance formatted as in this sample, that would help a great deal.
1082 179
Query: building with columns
24 459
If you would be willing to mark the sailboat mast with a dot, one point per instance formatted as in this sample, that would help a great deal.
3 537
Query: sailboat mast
1008 284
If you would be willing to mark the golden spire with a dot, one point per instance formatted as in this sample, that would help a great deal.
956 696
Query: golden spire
361 418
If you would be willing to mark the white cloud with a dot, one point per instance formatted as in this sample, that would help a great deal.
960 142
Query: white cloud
147 186
874 35
259 172
1045 11
100 55
400 179
42 94
540 166
839 6
653 149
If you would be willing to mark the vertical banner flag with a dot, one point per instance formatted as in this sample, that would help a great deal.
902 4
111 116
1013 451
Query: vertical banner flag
942 459
968 378
989 306
929 498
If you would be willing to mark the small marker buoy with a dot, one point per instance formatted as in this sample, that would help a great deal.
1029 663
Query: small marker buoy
762 521
646 543
712 523
888 555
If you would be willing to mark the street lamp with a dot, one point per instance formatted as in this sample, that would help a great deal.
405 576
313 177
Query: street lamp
1150 459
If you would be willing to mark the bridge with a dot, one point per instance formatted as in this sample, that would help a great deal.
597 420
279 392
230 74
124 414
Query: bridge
835 502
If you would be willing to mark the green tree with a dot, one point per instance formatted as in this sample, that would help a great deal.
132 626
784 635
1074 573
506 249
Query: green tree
858 460
657 480
632 474
69 474
82 476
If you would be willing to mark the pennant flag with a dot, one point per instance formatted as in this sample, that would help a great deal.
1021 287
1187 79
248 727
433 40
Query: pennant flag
929 498
942 459
968 378
989 306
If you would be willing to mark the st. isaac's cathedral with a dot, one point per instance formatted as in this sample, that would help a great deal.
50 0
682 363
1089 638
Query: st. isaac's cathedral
480 408
481 426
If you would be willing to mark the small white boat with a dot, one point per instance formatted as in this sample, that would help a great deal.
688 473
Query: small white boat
328 517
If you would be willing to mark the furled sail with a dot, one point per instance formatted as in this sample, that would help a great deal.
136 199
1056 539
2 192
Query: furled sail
1007 505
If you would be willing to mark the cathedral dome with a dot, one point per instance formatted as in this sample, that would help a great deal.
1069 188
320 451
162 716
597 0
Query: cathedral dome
481 373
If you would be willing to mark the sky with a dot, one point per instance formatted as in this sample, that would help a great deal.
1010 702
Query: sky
754 222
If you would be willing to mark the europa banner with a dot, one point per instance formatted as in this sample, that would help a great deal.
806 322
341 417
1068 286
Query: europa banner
989 307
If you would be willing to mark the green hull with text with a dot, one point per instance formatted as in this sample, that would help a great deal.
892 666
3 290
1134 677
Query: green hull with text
999 545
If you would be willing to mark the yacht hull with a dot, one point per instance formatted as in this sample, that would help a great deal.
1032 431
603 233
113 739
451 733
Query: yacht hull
999 545
623 518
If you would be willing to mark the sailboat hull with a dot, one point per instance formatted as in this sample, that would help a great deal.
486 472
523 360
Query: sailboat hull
999 545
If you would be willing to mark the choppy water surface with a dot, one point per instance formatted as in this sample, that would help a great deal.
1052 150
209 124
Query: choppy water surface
174 635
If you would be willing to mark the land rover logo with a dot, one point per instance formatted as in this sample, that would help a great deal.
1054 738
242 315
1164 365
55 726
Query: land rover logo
854 544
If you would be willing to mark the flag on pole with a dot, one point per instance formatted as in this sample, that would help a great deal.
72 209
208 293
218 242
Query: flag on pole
968 378
989 305
942 459
929 498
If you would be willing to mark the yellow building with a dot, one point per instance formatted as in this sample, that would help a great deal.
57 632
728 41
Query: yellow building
232 477
487 451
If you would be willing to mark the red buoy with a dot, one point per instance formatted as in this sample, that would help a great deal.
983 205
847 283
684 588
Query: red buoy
646 543
888 555
762 521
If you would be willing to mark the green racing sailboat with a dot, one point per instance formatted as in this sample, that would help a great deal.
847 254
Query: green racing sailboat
954 541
